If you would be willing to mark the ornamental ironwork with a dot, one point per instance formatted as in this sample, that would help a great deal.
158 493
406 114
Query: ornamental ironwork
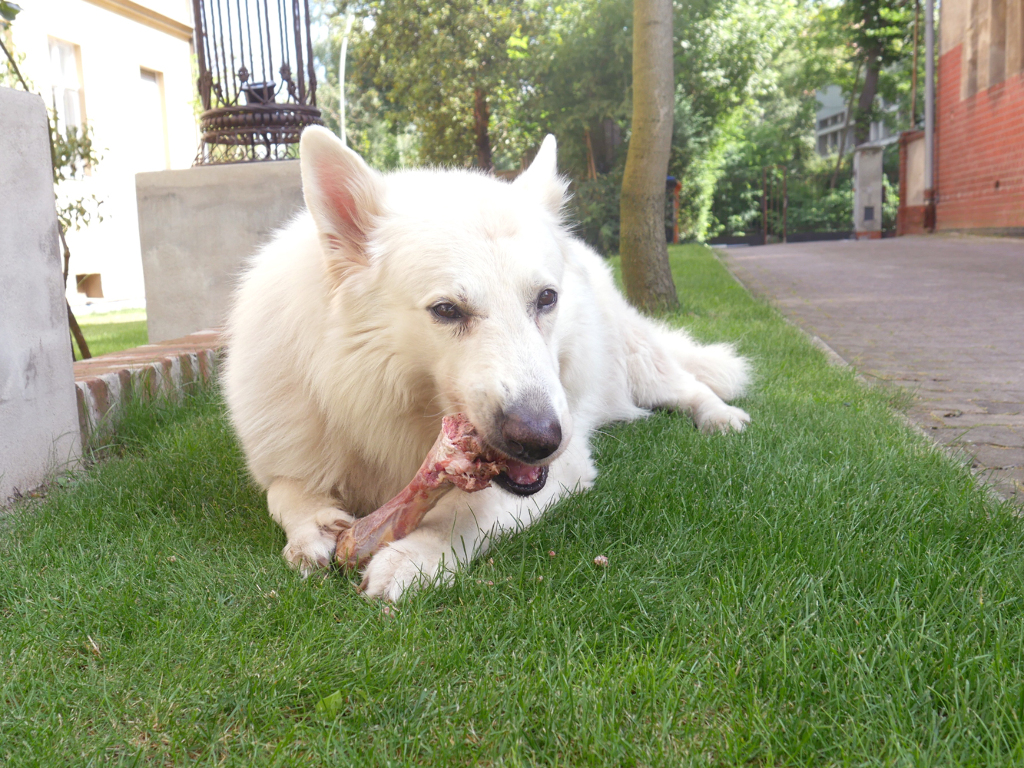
257 82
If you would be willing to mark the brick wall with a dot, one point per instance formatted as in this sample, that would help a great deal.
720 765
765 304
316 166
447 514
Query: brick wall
980 152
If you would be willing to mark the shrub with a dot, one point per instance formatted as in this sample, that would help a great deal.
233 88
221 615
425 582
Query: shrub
594 211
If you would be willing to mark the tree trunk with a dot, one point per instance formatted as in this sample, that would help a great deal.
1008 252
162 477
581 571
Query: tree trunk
862 126
591 165
76 331
481 121
846 130
645 268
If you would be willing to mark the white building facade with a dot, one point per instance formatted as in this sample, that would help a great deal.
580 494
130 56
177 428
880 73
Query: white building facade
830 119
124 69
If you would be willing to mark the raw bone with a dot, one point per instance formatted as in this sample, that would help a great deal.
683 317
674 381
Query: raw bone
459 458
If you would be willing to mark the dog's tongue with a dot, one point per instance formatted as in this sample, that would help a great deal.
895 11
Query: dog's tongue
522 474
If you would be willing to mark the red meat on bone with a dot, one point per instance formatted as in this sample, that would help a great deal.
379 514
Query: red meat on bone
459 458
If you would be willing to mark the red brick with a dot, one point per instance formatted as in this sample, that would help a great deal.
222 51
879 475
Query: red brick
143 372
979 140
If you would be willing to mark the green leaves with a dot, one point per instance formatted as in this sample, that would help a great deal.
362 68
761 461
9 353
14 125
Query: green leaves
73 153
8 10
431 59
745 72
516 47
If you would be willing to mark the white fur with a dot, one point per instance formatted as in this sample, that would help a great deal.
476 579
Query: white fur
338 374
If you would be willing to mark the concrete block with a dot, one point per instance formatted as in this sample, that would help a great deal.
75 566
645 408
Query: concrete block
39 430
915 172
197 227
867 191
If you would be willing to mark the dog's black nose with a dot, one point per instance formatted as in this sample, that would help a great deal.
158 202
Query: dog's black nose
531 434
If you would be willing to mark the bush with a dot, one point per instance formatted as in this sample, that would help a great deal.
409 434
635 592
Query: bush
594 211
813 207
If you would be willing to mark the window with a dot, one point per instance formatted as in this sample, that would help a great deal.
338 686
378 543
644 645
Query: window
151 115
91 285
66 85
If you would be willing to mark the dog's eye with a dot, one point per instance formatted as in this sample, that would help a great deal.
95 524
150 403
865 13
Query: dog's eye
446 311
546 299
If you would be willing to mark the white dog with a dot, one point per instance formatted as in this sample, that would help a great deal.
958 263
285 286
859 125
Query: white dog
398 299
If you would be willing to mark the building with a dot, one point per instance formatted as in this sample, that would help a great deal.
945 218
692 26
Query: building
979 162
124 67
831 116
829 120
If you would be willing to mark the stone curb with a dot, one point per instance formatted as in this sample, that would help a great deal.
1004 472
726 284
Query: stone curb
166 369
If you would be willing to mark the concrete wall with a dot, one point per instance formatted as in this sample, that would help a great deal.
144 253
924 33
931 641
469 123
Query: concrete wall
915 170
197 227
38 411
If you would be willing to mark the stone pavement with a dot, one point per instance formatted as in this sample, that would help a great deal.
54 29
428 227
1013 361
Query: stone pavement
942 316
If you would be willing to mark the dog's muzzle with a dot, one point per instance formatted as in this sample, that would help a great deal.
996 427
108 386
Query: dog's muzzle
529 434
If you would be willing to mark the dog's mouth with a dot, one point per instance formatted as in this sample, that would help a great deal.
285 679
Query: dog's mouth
521 479
512 475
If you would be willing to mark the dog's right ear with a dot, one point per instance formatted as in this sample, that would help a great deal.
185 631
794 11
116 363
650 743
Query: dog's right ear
541 179
343 194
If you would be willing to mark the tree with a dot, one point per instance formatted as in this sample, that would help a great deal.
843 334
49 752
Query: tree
878 35
728 54
645 268
375 127
579 70
445 65
867 37
577 66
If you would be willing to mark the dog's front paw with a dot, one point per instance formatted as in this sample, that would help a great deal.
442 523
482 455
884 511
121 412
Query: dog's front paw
403 567
312 546
719 417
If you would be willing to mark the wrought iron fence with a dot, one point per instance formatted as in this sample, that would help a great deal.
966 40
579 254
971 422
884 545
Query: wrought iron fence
257 82
777 203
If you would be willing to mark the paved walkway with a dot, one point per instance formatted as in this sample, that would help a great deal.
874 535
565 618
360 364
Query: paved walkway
940 315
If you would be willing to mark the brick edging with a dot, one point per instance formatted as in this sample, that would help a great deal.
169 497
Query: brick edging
165 369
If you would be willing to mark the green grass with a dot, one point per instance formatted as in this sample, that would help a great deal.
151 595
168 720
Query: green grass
113 331
823 589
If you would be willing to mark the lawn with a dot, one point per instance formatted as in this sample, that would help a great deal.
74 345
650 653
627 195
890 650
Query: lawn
823 589
113 331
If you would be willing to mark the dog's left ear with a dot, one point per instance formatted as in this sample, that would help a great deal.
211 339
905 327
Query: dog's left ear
345 197
541 179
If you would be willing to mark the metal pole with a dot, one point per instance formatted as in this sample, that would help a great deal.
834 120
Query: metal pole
929 113
913 74
785 203
349 18
764 203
